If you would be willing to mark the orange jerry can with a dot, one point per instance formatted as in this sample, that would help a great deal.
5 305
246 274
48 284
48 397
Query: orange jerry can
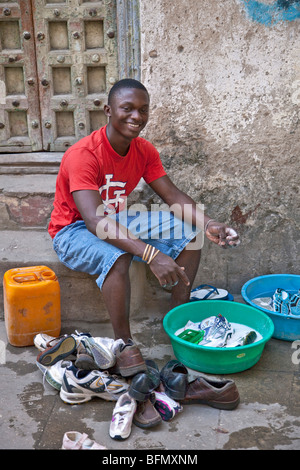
31 304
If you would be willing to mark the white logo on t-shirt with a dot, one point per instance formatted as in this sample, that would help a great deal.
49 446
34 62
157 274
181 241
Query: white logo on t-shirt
111 204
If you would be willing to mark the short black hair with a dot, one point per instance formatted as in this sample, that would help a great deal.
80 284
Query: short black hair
125 83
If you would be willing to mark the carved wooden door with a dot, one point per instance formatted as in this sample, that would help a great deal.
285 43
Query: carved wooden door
58 61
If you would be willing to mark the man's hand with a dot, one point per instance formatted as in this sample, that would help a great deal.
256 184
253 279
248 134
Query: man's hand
167 271
221 234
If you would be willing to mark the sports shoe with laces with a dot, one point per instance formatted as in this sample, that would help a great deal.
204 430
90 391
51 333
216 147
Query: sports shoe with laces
80 386
101 349
121 422
217 330
54 374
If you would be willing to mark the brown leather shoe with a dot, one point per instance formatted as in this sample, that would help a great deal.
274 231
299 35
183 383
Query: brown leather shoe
146 416
221 394
129 359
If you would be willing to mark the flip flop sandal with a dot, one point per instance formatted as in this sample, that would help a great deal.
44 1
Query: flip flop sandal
207 292
60 350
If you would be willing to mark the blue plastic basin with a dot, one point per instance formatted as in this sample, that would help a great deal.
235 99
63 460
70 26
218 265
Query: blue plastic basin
286 327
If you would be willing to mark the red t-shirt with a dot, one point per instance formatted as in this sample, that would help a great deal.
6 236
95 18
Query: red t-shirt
92 163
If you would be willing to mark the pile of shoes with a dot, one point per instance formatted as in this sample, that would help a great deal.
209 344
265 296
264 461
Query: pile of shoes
82 367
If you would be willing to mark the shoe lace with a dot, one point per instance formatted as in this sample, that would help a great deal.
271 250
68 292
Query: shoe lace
46 385
105 376
120 414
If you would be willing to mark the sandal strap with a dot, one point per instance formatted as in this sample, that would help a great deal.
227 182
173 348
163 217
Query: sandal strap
81 441
48 345
213 289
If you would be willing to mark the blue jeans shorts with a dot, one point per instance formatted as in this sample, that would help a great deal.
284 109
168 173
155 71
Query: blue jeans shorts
80 250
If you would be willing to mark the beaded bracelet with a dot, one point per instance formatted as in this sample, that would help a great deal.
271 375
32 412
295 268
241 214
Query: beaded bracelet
206 225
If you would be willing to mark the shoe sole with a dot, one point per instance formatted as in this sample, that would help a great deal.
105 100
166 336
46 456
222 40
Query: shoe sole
53 382
49 378
78 398
61 350
118 437
164 410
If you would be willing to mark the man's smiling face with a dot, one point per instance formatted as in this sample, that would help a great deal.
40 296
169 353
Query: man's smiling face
128 112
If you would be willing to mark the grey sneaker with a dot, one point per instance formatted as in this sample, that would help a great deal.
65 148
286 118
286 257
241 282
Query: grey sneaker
84 359
217 330
54 374
100 349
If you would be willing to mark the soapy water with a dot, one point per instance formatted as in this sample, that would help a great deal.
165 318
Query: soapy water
235 339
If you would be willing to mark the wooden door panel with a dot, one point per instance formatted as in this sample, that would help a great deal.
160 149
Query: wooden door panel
77 64
20 129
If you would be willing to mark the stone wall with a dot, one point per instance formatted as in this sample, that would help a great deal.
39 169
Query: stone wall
224 81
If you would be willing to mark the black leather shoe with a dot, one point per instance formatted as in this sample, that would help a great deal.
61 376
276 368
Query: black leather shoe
143 383
174 376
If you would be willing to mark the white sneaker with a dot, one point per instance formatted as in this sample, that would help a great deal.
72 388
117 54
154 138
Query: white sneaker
42 341
217 330
166 406
54 374
120 426
79 386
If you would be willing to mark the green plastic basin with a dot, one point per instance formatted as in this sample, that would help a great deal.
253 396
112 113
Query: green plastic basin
218 360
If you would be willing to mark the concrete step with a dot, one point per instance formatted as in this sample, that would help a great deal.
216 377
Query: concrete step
26 202
81 298
30 163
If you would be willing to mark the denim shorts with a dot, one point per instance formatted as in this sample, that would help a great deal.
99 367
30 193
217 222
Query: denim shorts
80 250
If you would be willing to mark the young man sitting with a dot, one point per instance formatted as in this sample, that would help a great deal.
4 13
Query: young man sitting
92 234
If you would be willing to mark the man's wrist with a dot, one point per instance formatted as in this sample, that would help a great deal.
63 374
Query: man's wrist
207 223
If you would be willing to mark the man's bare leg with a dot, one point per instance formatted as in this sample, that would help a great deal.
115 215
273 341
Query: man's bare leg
189 259
116 293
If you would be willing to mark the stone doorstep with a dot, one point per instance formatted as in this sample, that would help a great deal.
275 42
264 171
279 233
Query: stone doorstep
30 163
81 298
26 201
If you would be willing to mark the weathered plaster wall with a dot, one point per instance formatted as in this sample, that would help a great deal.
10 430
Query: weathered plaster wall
224 81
